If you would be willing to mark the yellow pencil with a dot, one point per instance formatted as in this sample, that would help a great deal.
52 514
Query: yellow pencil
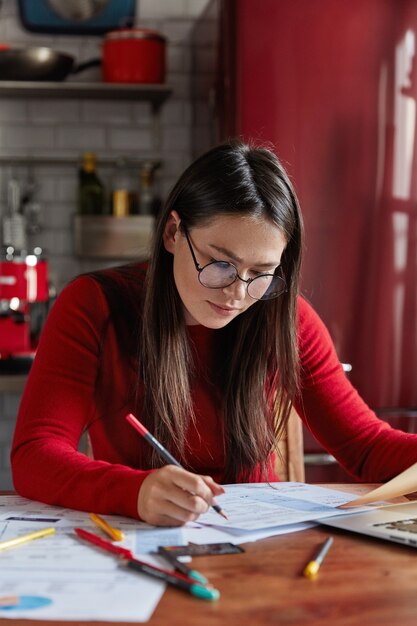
11 543
114 533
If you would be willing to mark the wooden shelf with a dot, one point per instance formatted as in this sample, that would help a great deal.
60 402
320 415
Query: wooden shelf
102 161
155 94
107 237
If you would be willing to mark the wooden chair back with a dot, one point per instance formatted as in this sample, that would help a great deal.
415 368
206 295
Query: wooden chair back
290 452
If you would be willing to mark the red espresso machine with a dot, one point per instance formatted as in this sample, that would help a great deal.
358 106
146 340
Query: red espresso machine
24 301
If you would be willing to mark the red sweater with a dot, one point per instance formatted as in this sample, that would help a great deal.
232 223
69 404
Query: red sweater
80 376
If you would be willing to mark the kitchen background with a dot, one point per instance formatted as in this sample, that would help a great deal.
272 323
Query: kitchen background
332 86
60 128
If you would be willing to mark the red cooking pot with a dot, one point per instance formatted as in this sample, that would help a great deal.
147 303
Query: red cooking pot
134 55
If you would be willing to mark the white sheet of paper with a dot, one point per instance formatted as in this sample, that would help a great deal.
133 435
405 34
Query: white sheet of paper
259 506
209 534
82 582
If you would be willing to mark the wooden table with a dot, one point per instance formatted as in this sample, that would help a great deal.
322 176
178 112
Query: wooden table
363 581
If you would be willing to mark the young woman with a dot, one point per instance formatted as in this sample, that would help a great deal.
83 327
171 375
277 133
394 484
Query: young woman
208 344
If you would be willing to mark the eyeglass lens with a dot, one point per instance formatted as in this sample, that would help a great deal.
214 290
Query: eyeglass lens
222 274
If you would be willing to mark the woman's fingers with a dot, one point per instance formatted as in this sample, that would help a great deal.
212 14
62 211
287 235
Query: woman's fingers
172 511
172 496
194 484
214 487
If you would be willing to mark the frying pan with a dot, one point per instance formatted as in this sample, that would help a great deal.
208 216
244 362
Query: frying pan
39 63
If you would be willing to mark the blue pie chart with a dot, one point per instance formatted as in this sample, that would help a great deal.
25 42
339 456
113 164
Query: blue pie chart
26 602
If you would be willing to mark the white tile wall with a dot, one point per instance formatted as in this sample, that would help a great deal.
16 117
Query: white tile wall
171 8
53 111
54 127
8 408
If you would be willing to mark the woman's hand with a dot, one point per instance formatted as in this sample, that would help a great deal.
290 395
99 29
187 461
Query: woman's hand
171 496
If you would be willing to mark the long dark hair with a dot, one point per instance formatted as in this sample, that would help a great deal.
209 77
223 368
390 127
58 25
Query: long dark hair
258 358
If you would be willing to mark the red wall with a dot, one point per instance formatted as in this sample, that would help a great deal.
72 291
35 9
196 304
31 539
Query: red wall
317 79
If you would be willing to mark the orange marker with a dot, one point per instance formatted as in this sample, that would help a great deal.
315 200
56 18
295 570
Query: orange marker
114 533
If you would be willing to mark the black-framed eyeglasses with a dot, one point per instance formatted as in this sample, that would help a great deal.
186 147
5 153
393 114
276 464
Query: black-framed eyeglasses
220 274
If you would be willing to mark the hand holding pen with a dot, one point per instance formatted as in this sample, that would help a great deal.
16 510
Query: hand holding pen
171 495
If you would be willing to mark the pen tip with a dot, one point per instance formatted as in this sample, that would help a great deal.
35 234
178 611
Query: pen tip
219 510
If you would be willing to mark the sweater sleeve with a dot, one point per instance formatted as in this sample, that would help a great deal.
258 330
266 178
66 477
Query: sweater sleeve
367 447
56 406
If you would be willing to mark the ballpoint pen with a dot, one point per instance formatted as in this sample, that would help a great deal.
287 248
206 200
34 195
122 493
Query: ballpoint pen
312 568
167 456
11 543
128 559
111 531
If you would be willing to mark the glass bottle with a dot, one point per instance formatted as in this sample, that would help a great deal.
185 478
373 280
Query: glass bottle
123 196
149 202
146 192
14 223
90 187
